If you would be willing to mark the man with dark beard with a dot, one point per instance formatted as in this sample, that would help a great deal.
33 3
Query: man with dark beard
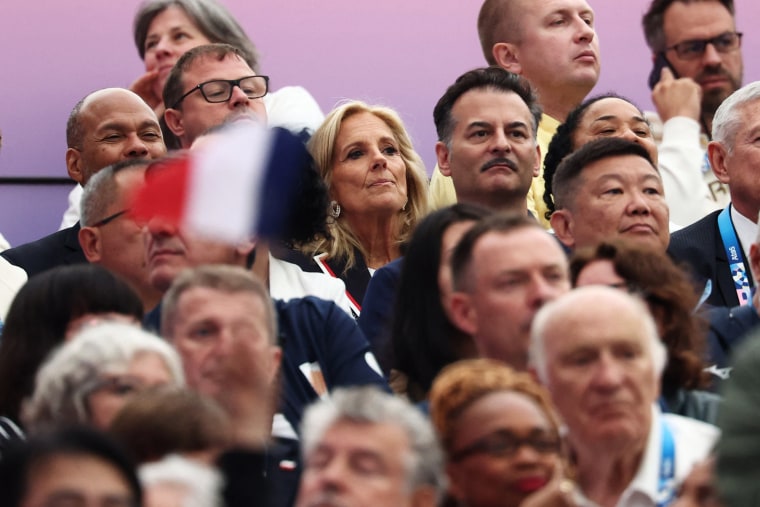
696 41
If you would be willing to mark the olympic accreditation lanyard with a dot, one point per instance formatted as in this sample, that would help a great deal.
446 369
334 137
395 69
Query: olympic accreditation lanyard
734 255
666 488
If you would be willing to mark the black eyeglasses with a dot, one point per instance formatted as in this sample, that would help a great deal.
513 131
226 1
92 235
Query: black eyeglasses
504 444
723 43
110 218
220 90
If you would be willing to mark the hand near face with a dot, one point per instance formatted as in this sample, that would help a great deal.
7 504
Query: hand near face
246 391
559 492
677 97
145 86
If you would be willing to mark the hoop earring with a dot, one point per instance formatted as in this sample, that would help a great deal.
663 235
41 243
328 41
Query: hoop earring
334 209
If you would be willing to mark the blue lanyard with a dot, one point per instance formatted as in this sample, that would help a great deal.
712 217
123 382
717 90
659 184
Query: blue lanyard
666 488
734 255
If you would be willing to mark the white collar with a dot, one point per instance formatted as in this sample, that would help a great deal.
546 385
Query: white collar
746 231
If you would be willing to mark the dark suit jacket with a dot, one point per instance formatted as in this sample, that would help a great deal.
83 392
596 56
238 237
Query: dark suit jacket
377 311
58 249
728 328
701 247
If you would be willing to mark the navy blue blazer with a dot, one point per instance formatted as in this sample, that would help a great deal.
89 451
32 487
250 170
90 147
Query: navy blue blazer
58 249
701 248
377 311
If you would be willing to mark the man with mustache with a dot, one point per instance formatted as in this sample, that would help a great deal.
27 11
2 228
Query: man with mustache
487 123
552 44
698 43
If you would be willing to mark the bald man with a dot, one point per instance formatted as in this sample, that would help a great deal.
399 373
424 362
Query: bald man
105 127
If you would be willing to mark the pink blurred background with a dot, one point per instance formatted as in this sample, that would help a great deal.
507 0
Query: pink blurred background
397 52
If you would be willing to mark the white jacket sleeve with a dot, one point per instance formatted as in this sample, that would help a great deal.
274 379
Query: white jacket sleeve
680 161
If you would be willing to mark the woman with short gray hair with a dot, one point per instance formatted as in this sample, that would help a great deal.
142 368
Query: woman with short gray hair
89 379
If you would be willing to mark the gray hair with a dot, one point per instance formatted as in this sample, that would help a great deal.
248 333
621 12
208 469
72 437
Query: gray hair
202 483
556 311
369 405
73 371
726 121
209 16
101 190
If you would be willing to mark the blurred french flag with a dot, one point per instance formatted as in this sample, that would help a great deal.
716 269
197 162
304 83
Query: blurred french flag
240 182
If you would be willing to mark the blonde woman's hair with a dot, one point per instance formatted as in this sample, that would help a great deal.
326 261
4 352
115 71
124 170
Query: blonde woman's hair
344 242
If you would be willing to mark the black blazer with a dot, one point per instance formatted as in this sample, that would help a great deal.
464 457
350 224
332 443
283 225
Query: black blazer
728 328
57 249
701 248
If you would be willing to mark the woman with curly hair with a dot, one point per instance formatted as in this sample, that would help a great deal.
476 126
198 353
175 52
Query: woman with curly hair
501 437
671 299
611 115
377 187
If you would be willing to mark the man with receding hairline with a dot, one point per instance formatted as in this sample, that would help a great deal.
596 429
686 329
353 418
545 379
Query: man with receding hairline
597 351
551 43
106 126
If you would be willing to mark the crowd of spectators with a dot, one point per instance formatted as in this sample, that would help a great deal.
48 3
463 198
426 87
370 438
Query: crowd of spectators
552 320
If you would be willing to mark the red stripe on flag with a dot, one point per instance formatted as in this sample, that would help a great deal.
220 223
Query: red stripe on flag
164 194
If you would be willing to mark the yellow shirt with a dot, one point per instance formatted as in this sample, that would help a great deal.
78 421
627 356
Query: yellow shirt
441 192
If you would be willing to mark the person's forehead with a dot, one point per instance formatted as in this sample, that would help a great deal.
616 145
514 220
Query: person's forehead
518 241
115 107
490 104
362 124
210 67
383 438
547 7
611 107
595 322
201 295
622 167
696 20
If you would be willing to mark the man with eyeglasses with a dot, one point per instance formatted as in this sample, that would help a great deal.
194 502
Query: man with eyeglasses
210 85
106 126
109 236
597 351
697 42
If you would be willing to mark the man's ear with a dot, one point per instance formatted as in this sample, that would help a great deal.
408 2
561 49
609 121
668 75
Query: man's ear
717 154
462 313
537 168
89 240
563 224
442 153
74 164
506 56
275 361
175 121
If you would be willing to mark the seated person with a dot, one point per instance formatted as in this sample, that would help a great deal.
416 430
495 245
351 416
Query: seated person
363 430
90 378
486 413
597 351
67 297
671 299
74 465
607 189
378 193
